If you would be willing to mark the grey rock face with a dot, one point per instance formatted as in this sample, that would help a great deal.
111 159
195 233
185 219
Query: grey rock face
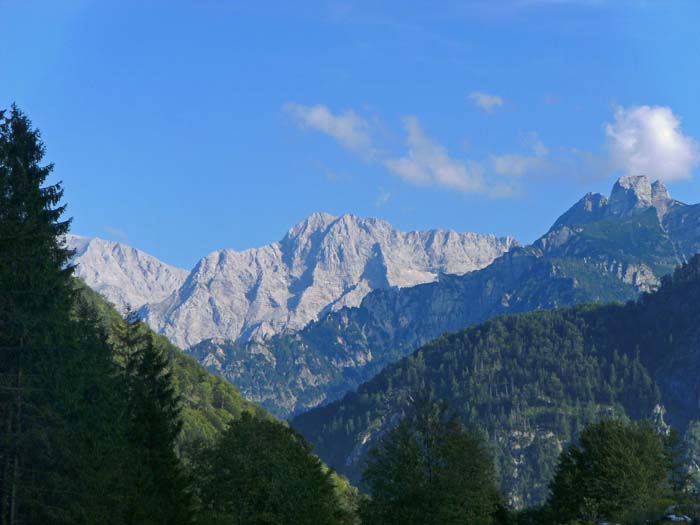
124 275
322 264
630 193
590 208
660 198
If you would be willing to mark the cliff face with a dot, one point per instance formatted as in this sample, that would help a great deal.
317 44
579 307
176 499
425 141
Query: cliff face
323 264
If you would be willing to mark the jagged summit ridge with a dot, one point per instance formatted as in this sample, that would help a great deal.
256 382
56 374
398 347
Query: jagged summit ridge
125 276
323 263
630 195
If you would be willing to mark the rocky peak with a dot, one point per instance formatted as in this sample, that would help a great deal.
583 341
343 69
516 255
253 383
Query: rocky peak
316 222
659 193
323 263
590 208
660 197
629 194
124 275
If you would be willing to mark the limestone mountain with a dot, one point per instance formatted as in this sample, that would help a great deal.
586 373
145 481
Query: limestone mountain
602 250
322 264
123 275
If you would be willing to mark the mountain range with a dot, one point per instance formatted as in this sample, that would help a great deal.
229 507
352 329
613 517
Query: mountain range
299 323
322 264
601 250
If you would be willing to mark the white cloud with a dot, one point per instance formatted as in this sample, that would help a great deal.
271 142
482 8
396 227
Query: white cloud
428 163
348 128
648 140
514 165
485 101
532 141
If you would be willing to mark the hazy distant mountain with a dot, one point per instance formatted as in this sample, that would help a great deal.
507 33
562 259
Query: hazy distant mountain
322 264
122 274
602 249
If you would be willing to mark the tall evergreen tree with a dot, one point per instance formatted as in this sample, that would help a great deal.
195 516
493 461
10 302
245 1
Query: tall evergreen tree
63 443
430 469
35 303
262 472
615 470
158 492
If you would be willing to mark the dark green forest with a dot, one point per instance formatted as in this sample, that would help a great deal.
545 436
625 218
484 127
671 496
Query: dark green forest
533 381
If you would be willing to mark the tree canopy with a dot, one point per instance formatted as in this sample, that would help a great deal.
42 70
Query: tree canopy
430 469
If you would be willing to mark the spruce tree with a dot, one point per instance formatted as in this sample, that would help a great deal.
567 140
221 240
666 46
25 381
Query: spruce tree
63 440
35 305
262 472
430 469
158 492
616 470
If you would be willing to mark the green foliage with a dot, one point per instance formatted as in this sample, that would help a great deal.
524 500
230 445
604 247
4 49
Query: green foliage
207 402
615 470
157 488
429 469
35 299
263 472
530 382
58 397
533 381
692 440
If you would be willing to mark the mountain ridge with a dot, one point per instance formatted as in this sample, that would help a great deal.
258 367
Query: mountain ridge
125 276
594 252
322 264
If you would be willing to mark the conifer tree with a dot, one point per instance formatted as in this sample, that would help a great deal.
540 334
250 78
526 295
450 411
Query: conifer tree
63 445
262 472
429 469
35 305
159 490
616 469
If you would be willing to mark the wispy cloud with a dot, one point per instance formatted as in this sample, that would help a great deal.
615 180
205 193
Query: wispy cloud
517 165
486 101
639 140
428 163
382 199
115 232
348 128
514 165
648 140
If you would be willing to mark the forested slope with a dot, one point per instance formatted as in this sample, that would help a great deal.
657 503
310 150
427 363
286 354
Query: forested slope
208 402
532 381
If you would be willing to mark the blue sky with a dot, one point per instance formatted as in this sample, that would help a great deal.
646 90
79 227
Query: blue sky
185 127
